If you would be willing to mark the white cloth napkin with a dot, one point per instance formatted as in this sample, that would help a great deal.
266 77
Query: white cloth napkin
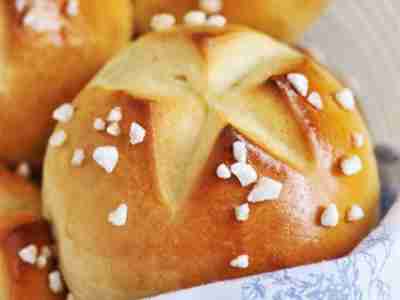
370 272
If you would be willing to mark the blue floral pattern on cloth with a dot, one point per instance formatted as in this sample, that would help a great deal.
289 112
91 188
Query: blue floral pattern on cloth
341 279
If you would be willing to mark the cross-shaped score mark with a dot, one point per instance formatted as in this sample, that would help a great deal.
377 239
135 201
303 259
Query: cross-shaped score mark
199 83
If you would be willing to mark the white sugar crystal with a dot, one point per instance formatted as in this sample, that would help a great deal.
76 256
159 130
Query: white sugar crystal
42 262
24 170
107 157
99 124
346 99
355 213
358 139
20 5
195 18
162 22
58 138
299 82
119 216
115 115
240 262
265 189
73 8
244 172
42 18
136 133
330 216
114 129
211 6
78 157
242 212
64 113
29 254
223 172
216 21
240 151
55 282
39 24
351 166
315 100
43 259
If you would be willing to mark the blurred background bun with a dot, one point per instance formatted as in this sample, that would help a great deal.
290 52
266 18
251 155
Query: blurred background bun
21 228
286 20
179 131
49 49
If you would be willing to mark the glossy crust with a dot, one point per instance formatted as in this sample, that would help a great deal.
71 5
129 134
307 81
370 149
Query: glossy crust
46 57
196 92
20 226
284 19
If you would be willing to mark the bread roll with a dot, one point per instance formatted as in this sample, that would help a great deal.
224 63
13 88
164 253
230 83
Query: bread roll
145 211
20 227
49 49
284 19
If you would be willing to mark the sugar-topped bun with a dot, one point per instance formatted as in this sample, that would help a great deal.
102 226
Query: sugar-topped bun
49 49
217 153
22 238
283 19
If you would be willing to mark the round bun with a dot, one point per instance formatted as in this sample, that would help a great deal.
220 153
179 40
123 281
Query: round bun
48 51
141 216
291 21
20 226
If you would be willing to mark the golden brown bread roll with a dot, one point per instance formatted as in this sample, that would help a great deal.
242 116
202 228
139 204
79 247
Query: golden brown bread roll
140 209
49 49
283 19
21 227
